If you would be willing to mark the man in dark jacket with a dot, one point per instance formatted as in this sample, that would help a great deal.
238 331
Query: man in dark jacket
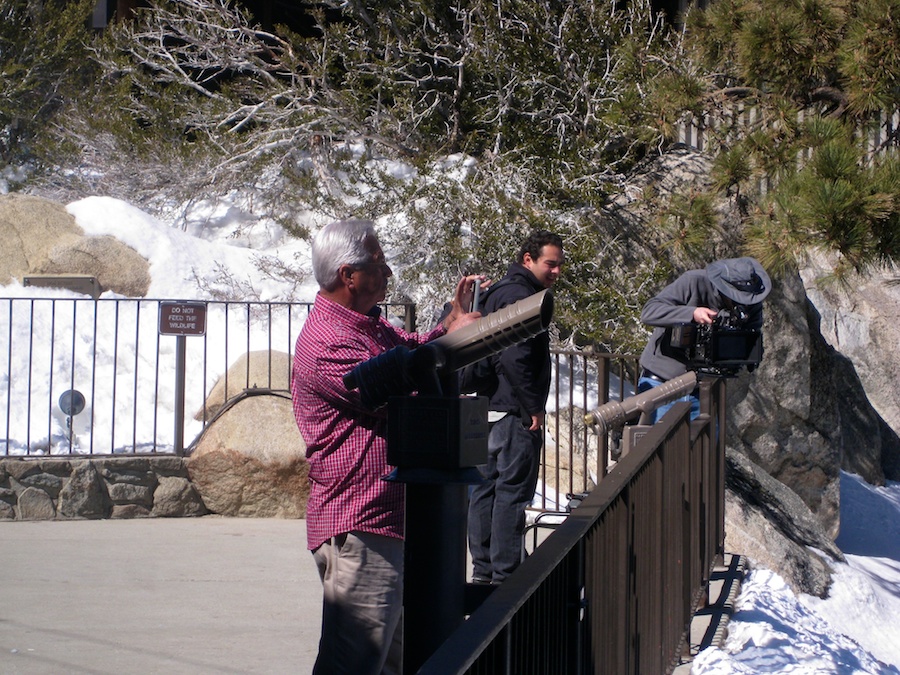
497 507
698 296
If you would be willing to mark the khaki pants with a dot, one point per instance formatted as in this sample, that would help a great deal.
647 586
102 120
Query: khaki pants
362 579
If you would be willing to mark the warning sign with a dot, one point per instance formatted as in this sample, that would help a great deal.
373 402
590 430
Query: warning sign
182 318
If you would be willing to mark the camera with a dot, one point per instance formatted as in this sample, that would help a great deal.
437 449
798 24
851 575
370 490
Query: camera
722 348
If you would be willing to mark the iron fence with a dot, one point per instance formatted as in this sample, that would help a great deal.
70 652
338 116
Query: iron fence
104 377
100 377
612 589
574 457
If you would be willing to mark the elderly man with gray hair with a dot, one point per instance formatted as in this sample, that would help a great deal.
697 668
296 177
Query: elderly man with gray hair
354 518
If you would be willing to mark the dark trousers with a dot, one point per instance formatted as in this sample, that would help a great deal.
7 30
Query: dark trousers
497 507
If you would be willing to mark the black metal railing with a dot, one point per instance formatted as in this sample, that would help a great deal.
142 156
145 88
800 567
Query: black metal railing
612 589
137 390
138 398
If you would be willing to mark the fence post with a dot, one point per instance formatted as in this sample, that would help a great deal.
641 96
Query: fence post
180 350
181 319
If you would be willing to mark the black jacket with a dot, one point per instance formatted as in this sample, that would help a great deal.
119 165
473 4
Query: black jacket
523 371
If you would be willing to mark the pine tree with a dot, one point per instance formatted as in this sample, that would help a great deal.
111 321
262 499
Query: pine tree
43 61
819 76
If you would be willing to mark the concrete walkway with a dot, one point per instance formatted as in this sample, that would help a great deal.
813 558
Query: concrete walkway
181 595
186 596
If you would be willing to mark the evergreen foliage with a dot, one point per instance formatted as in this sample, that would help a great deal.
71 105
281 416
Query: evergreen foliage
43 62
819 75
497 118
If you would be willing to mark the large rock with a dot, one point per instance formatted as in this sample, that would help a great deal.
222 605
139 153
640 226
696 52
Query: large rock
804 414
40 237
116 266
862 322
785 416
768 521
251 461
869 447
262 369
29 228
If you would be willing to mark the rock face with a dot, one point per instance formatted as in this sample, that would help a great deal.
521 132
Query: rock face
769 521
784 416
800 418
41 237
862 324
804 414
251 461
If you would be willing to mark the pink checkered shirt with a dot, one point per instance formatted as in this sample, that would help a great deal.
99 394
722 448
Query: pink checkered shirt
346 444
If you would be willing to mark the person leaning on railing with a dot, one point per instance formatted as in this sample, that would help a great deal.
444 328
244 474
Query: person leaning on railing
354 518
697 296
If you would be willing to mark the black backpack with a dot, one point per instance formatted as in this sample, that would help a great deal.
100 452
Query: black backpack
481 377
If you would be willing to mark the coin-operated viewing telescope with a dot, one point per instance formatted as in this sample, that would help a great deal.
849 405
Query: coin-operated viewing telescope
615 414
401 370
617 418
436 439
456 427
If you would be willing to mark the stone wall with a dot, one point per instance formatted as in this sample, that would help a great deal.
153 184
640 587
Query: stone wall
77 487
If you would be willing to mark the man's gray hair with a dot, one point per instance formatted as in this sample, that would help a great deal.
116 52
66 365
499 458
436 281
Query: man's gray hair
342 242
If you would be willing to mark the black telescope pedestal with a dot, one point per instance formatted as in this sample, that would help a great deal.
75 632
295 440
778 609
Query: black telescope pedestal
434 566
430 441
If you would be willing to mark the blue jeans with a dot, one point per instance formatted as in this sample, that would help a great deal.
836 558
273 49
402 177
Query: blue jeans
497 506
647 383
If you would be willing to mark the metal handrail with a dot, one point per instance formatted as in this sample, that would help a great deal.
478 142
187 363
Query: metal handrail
612 588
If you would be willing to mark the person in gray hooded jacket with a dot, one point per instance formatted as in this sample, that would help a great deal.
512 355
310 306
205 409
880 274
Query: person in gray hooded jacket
697 296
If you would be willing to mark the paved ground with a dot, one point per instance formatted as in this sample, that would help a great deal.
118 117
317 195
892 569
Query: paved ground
185 596
179 595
